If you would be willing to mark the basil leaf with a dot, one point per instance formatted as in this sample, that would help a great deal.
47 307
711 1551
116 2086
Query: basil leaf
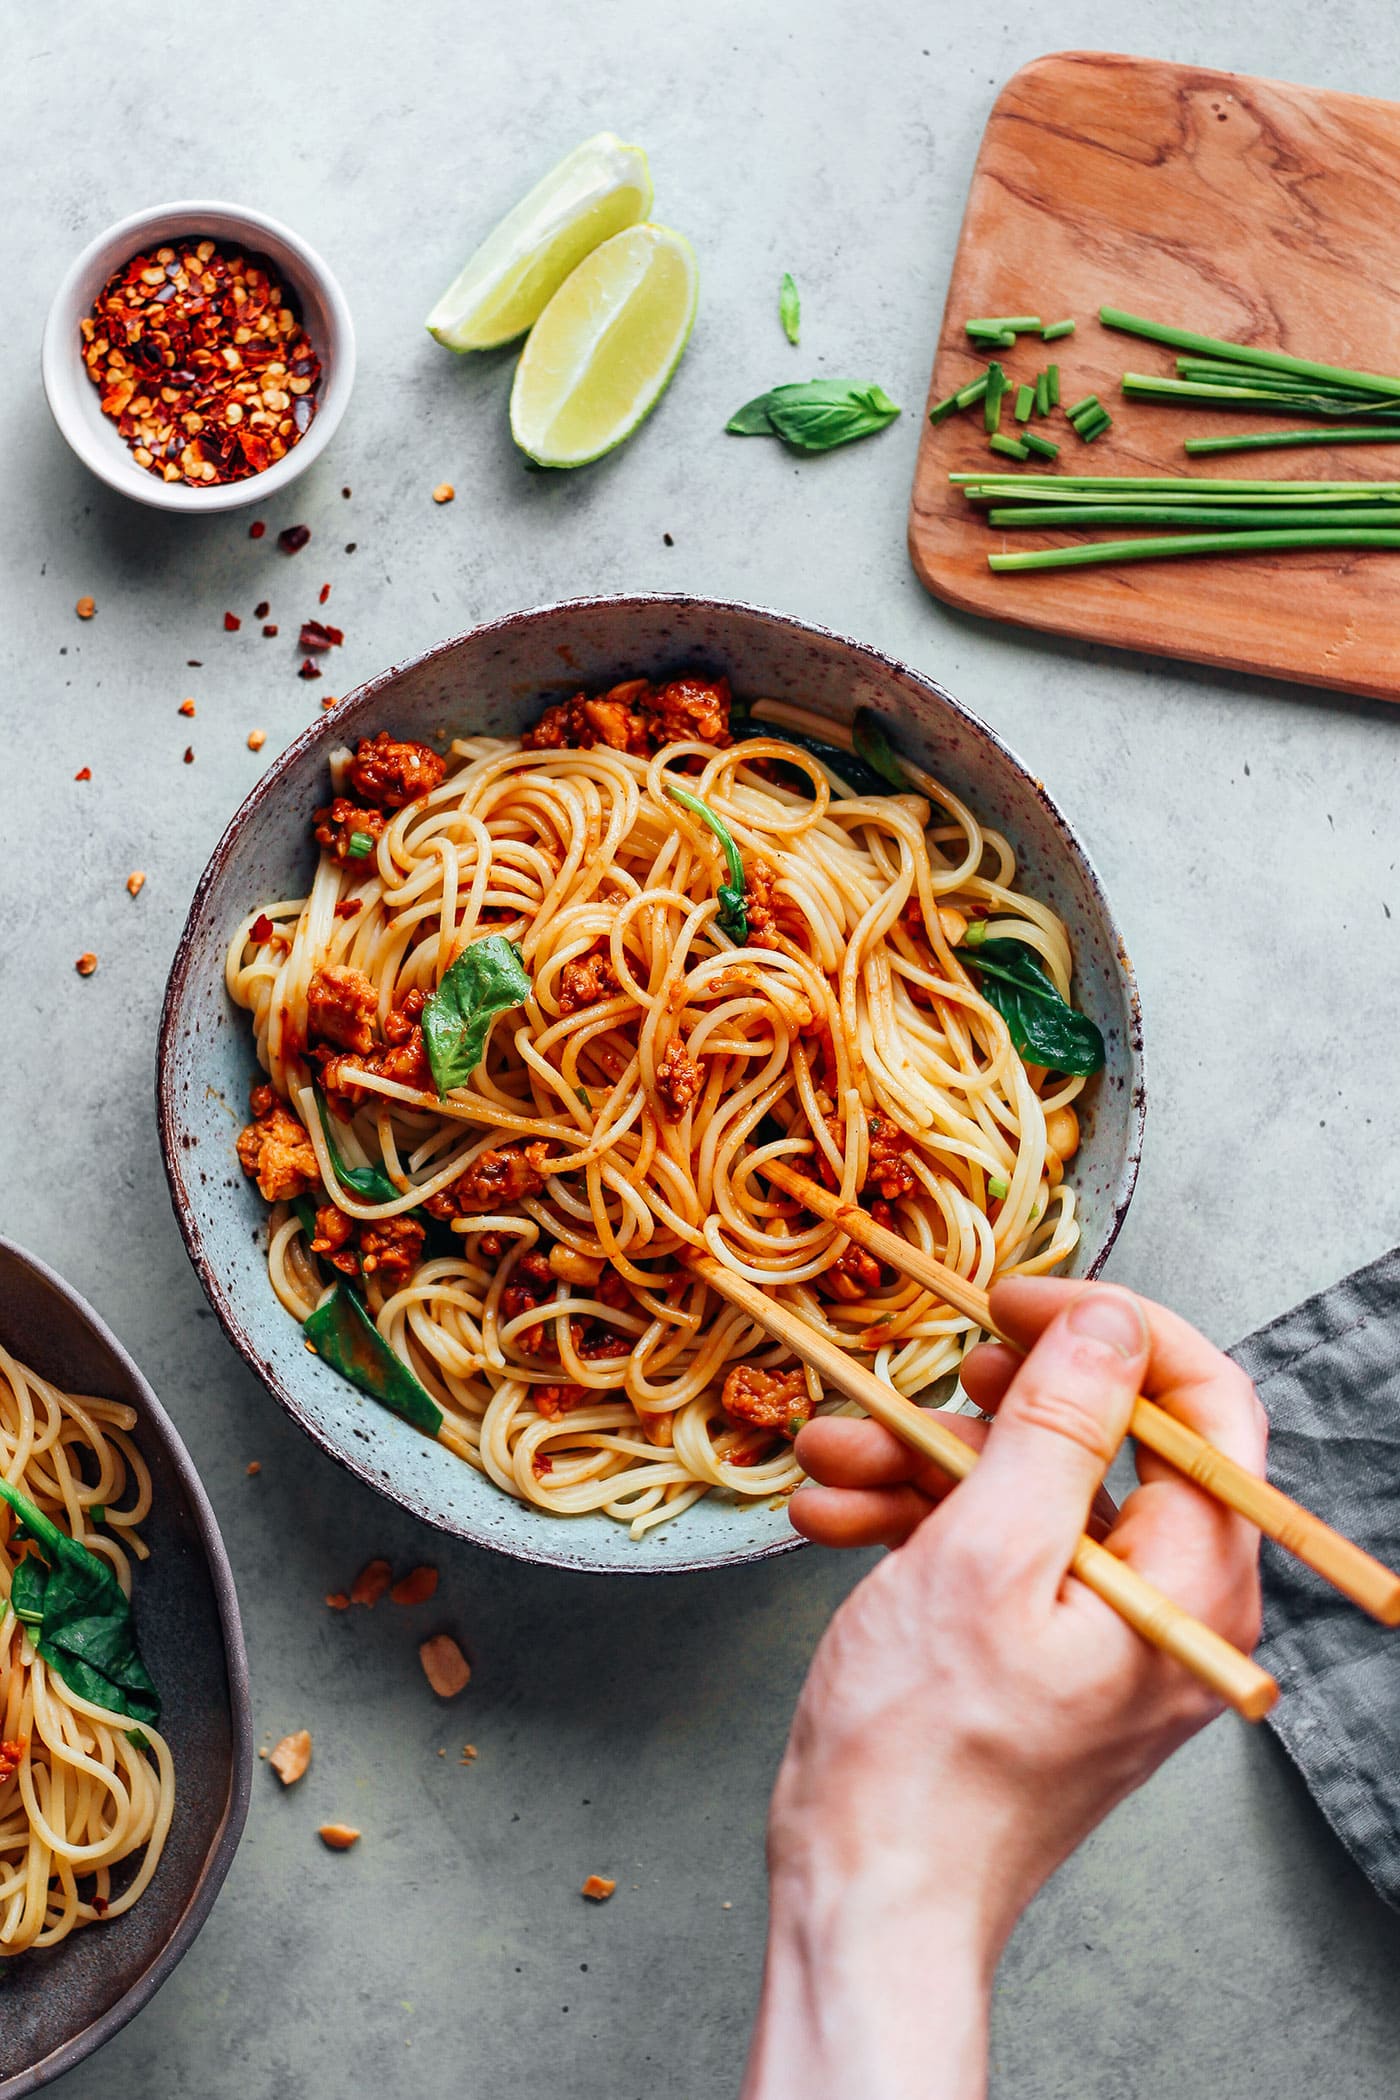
370 1184
1045 1030
860 778
79 1618
346 1338
487 979
789 308
876 749
815 415
732 917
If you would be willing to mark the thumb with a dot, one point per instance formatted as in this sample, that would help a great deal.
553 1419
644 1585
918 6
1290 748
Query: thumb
1056 1432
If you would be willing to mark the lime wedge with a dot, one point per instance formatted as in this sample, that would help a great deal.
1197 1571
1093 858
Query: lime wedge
600 355
594 192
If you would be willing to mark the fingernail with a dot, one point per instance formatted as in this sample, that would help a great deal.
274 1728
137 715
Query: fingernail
1111 1317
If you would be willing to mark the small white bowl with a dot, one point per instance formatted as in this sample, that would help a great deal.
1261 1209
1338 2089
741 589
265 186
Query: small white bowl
74 399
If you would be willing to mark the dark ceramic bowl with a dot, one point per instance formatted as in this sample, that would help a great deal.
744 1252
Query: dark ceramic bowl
495 679
57 2005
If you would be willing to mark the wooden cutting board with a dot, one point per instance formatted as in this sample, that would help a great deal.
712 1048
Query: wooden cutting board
1236 207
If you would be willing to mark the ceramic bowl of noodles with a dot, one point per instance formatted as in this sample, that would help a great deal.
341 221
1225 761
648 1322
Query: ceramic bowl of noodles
512 975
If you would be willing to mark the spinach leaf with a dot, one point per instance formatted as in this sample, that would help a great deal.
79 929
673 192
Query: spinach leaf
487 979
789 308
815 415
733 917
79 1618
345 1337
876 749
1044 1029
370 1184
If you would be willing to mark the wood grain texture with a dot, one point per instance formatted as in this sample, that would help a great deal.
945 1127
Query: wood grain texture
1237 207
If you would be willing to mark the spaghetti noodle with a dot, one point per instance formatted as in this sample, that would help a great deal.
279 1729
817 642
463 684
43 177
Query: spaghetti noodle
86 1797
715 954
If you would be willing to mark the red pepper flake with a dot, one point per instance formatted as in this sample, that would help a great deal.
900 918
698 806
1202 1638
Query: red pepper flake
86 963
309 669
189 754
348 907
314 635
256 529
292 538
261 609
85 608
325 592
253 1468
232 623
345 492
186 707
201 362
194 663
83 773
101 1904
261 928
271 630
351 545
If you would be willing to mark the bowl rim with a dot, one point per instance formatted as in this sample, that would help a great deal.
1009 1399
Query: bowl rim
219 1857
323 729
59 358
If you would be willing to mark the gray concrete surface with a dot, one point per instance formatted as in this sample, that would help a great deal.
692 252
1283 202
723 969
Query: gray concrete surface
1212 1940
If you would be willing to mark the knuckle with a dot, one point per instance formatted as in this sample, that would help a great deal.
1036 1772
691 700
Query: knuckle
1073 1414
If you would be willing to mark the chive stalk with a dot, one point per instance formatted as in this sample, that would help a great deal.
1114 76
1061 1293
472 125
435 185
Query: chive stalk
1040 516
1192 543
1269 440
1247 353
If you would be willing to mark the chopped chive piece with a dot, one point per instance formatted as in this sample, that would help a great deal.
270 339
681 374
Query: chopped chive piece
993 338
1354 434
1013 448
1042 393
1052 384
1025 403
1055 330
1079 408
942 409
1091 428
360 846
1192 543
997 1189
988 322
1041 447
973 391
991 405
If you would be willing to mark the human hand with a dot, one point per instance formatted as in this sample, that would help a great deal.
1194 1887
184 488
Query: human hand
972 1712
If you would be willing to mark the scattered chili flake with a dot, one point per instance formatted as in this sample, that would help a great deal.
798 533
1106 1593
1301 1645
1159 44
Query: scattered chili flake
253 1468
292 538
186 707
339 1837
85 608
201 363
270 631
256 529
338 1601
101 1904
325 592
444 492
328 700
348 907
194 663
345 492
371 1582
351 545
667 540
83 773
136 882
309 670
86 963
444 1665
261 610
256 739
261 928
416 1587
232 623
316 635
189 754
468 1756
597 1888
292 1756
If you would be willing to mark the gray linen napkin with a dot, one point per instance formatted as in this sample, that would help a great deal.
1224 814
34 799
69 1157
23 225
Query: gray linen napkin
1329 1375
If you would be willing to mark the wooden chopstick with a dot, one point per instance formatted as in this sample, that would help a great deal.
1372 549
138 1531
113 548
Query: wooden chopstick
1233 1677
1368 1582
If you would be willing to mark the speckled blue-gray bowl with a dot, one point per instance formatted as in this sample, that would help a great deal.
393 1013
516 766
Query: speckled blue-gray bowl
495 679
59 2004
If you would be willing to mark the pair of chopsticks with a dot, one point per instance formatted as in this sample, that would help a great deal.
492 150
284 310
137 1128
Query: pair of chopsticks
1233 1677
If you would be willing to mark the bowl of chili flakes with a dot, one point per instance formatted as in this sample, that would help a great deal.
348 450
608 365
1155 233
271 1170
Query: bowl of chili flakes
198 356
